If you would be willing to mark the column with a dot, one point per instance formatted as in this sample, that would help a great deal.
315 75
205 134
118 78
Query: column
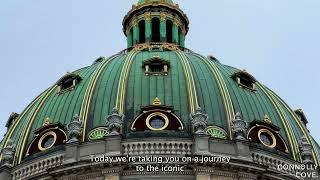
148 30
135 33
147 18
163 28
129 39
181 34
175 32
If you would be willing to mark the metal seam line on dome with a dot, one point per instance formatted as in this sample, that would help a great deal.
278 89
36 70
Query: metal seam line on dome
225 101
186 75
287 121
123 79
302 127
223 90
286 128
190 80
290 127
88 94
124 85
12 129
34 114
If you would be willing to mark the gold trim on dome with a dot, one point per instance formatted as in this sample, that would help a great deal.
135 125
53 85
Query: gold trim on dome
50 133
158 45
274 141
154 115
147 16
163 16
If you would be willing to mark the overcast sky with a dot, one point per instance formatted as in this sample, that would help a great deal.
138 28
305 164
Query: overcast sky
276 41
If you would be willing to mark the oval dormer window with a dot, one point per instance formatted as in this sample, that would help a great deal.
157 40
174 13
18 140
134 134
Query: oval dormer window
245 80
68 82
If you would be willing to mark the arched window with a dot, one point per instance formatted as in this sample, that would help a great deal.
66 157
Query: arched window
142 30
155 30
169 26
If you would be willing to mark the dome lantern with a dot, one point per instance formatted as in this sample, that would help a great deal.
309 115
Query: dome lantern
155 22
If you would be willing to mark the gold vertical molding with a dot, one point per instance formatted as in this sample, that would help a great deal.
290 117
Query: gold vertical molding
84 110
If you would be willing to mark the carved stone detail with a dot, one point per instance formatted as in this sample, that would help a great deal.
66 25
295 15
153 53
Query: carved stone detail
199 121
8 154
74 129
306 150
239 127
114 122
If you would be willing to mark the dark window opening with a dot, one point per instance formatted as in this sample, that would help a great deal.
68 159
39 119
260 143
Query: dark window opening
155 30
142 30
169 26
156 67
245 80
69 83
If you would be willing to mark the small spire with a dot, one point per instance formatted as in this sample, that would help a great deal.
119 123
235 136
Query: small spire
156 102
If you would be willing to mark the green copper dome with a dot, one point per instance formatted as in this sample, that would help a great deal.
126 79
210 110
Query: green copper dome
152 76
161 1
192 81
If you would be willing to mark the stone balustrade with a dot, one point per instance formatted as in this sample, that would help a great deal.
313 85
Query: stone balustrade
157 147
37 167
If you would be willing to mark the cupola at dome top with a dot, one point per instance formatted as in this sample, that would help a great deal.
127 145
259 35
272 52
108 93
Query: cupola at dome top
155 22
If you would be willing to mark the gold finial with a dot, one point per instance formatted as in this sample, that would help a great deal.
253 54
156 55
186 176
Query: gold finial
46 122
156 101
267 119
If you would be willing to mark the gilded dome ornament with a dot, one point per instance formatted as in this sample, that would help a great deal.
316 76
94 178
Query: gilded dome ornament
156 101
267 119
46 122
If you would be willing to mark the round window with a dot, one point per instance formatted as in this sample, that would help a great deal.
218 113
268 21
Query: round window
157 121
47 141
267 138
